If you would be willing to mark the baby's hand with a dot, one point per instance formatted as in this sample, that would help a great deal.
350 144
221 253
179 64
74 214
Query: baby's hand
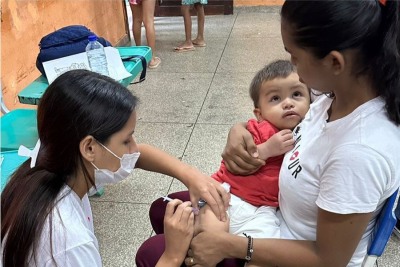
278 144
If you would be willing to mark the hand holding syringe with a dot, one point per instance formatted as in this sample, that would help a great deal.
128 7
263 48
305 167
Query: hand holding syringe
201 203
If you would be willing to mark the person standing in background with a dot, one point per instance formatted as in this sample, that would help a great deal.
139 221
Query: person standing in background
143 12
189 44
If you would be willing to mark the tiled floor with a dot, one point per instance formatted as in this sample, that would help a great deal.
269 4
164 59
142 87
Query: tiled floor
187 106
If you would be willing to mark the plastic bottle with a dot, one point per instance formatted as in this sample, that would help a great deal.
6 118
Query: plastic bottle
96 56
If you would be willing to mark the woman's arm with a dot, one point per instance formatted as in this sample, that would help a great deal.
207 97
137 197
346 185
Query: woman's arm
337 238
240 153
200 185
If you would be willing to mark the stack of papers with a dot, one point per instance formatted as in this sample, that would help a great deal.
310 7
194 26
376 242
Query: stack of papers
56 67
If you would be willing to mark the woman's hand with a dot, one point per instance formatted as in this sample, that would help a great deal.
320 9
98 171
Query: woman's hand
204 187
207 221
178 231
240 153
206 249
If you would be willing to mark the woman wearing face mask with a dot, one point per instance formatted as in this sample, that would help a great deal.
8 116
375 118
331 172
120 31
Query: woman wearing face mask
86 141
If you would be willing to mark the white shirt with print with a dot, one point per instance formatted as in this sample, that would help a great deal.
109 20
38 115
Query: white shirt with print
350 165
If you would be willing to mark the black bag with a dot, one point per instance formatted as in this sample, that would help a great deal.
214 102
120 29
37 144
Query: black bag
64 42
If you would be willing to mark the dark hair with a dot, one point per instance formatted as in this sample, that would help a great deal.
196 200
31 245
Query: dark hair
276 69
368 27
77 104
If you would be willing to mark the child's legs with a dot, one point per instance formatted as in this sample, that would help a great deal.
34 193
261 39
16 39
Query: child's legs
200 22
148 20
258 222
187 20
137 23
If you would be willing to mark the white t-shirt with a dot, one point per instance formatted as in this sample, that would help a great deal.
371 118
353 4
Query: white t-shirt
350 165
73 241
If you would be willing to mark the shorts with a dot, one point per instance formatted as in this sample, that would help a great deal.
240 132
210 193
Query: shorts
258 222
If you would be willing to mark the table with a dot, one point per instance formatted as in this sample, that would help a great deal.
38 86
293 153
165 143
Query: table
34 91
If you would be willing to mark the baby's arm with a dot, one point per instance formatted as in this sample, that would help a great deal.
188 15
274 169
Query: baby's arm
276 145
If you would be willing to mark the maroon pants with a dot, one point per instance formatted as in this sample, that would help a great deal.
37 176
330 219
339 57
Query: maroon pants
151 250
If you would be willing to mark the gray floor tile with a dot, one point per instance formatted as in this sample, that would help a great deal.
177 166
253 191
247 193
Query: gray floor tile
228 100
205 147
202 59
250 54
172 97
120 229
256 25
204 150
142 187
173 139
177 186
391 256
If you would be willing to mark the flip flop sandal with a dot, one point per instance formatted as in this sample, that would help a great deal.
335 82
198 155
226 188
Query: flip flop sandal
183 49
158 62
199 45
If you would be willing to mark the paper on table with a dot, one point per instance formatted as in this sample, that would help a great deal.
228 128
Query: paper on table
116 68
56 67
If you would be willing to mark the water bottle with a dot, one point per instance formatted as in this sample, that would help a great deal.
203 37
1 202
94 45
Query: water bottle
96 56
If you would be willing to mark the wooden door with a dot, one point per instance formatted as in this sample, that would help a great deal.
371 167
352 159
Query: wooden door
165 8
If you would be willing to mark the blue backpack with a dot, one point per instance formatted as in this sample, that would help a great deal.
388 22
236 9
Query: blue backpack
64 42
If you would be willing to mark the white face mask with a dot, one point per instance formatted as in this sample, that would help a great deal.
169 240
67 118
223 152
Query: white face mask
104 176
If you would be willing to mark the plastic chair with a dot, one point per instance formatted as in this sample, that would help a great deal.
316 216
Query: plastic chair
18 127
383 229
10 161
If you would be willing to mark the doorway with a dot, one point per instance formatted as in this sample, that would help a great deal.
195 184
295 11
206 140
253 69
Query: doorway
166 8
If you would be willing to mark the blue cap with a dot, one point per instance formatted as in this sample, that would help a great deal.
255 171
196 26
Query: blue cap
92 38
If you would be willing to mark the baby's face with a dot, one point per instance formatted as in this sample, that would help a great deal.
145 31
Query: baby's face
283 102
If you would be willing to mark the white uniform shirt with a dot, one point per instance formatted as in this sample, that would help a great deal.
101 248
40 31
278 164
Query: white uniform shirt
350 165
73 241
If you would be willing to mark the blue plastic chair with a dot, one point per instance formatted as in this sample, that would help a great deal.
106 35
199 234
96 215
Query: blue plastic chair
383 230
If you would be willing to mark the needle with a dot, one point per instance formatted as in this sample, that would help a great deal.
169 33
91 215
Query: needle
201 203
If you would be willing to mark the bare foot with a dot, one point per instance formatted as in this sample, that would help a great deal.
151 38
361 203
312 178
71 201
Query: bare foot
185 47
